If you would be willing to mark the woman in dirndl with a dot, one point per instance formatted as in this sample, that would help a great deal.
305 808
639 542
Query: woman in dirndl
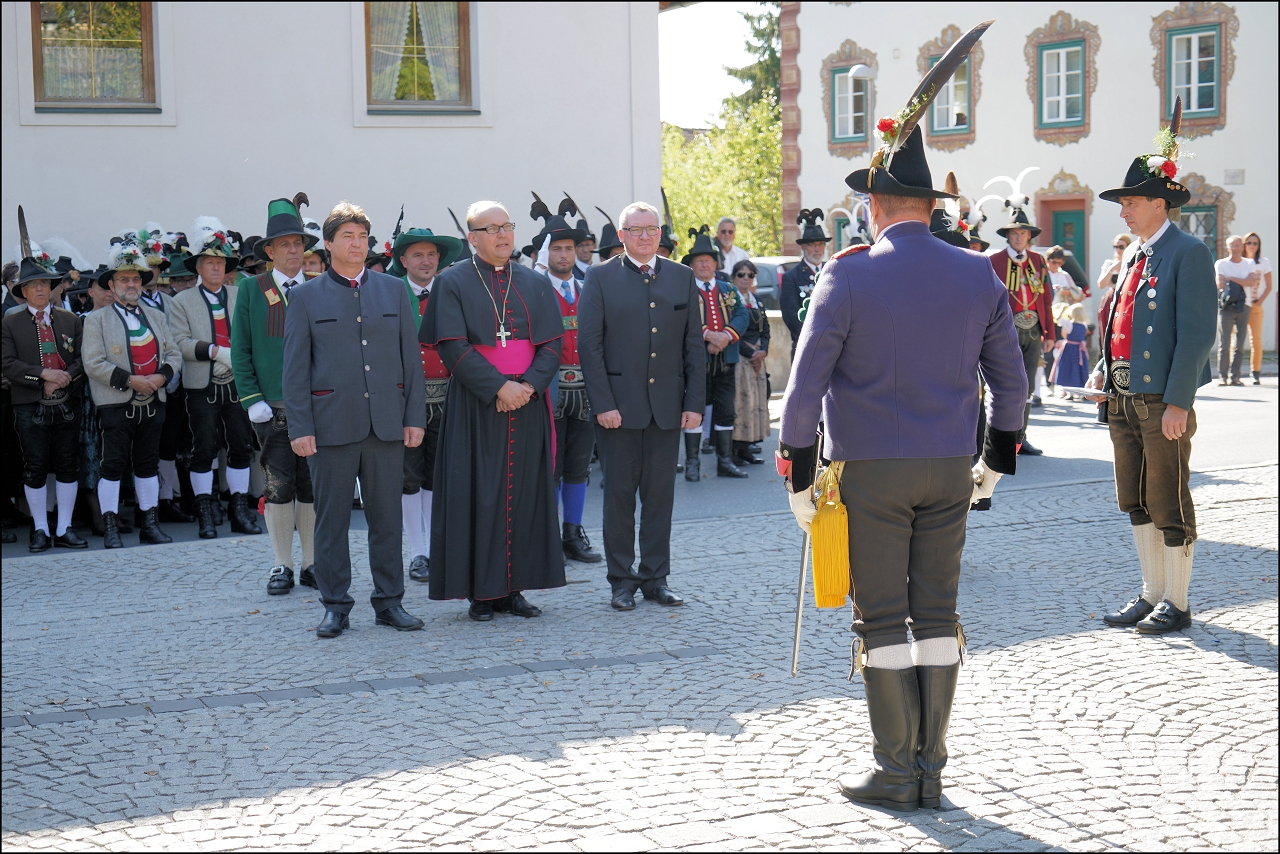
752 400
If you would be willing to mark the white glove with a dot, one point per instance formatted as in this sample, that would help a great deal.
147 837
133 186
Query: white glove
804 509
224 357
984 482
260 412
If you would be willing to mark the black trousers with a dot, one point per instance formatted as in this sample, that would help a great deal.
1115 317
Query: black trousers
575 440
1031 342
50 441
176 439
131 434
906 535
641 461
420 462
722 389
380 467
216 414
286 477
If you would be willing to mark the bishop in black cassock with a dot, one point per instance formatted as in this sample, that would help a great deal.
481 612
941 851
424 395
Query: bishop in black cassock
493 523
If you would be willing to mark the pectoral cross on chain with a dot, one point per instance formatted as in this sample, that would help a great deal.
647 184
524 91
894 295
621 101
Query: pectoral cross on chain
503 334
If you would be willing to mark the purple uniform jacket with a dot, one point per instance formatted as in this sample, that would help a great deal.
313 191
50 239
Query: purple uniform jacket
891 348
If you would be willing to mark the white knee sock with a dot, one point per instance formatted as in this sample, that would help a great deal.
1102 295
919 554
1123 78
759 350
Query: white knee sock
38 503
146 488
935 652
896 657
426 519
202 482
411 516
280 528
66 493
1177 564
108 495
304 516
238 480
1150 543
1039 381
168 479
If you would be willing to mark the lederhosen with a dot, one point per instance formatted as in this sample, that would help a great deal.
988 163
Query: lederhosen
722 388
286 477
131 431
49 430
420 462
215 411
575 435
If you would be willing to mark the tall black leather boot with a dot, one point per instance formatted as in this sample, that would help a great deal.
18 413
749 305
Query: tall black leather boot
204 516
244 520
724 455
111 531
937 692
692 462
149 532
893 705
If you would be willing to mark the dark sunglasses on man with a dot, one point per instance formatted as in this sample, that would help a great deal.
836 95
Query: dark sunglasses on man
743 274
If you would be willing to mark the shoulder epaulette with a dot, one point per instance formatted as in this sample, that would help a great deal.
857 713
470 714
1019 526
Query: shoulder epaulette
852 250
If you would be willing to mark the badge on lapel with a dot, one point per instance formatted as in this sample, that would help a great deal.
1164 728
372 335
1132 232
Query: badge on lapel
273 298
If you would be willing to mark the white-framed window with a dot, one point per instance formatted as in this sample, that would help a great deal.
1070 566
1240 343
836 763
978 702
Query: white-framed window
1062 76
1194 66
951 107
849 106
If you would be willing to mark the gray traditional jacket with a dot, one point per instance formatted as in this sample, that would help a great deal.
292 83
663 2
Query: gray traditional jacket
107 361
191 321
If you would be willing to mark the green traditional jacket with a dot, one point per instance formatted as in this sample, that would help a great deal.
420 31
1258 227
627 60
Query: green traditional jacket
257 339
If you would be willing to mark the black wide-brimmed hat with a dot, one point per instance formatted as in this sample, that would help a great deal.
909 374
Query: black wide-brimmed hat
555 226
974 237
378 253
946 222
609 235
1018 219
32 270
249 258
667 241
907 174
1154 175
702 245
812 233
940 227
284 217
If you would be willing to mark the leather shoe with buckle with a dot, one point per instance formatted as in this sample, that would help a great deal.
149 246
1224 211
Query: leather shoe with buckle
281 580
481 610
663 595
1164 619
420 568
333 625
307 578
398 618
39 541
1130 613
69 540
624 600
516 605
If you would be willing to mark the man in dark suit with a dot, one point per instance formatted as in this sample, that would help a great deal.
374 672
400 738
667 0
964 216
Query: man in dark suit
646 382
798 282
353 398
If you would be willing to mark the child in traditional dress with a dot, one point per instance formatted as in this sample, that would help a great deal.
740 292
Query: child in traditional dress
1071 362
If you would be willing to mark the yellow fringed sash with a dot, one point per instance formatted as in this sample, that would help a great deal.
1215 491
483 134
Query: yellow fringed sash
830 541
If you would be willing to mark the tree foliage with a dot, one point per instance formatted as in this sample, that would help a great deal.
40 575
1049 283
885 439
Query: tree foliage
765 74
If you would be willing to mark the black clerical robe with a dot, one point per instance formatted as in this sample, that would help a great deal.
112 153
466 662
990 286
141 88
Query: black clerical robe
493 521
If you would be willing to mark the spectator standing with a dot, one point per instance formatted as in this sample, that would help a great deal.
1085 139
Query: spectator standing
1107 278
1236 275
1064 289
1071 361
1256 297
730 255
798 282
751 401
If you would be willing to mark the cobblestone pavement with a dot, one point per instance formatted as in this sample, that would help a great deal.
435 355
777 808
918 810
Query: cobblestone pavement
157 698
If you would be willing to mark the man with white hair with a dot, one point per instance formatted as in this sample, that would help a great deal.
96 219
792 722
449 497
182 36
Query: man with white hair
726 232
646 382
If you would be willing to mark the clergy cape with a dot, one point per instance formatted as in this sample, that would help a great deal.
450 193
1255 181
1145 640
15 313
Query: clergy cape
494 528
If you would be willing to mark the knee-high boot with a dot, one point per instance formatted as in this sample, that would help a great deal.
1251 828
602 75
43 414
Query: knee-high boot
692 462
937 692
893 705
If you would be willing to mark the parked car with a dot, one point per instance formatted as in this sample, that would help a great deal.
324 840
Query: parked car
770 270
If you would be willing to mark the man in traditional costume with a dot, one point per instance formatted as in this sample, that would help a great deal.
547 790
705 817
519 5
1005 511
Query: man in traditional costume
129 357
175 438
498 331
417 254
584 249
1155 355
900 413
257 360
201 319
610 246
797 283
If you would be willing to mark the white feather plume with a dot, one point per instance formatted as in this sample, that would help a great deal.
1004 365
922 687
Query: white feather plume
976 216
127 255
1017 198
202 231
57 248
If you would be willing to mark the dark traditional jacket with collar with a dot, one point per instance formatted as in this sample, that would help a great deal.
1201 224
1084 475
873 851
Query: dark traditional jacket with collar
21 347
797 283
1174 330
735 315
257 339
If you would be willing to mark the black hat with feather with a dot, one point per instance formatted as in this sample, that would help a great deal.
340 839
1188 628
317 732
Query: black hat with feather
1154 175
899 167
555 226
702 245
608 236
32 268
809 218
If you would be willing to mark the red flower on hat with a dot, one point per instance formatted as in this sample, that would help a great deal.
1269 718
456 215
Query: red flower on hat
886 125
1169 168
964 226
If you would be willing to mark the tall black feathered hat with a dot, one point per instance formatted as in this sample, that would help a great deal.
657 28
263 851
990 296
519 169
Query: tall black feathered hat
35 265
809 218
1155 175
608 235
284 216
702 244
581 224
555 226
899 167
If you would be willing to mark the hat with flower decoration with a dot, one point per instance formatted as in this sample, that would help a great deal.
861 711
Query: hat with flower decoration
125 254
899 167
35 264
209 237
1155 175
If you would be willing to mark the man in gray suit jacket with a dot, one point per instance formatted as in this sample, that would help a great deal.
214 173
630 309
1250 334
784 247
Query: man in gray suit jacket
647 382
353 397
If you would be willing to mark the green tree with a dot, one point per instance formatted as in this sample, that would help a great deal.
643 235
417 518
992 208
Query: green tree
765 74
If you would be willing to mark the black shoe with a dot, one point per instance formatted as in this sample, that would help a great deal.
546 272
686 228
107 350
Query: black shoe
742 455
70 540
111 531
307 578
754 447
663 595
280 581
724 455
1164 619
8 536
398 618
333 625
707 447
39 541
1130 614
577 546
171 511
1029 450
893 705
219 515
244 519
692 462
205 516
624 600
420 568
937 693
149 533
1036 401
481 610
1237 381
1257 378
516 605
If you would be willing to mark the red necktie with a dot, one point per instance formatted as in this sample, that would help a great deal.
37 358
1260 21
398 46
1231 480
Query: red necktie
644 269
